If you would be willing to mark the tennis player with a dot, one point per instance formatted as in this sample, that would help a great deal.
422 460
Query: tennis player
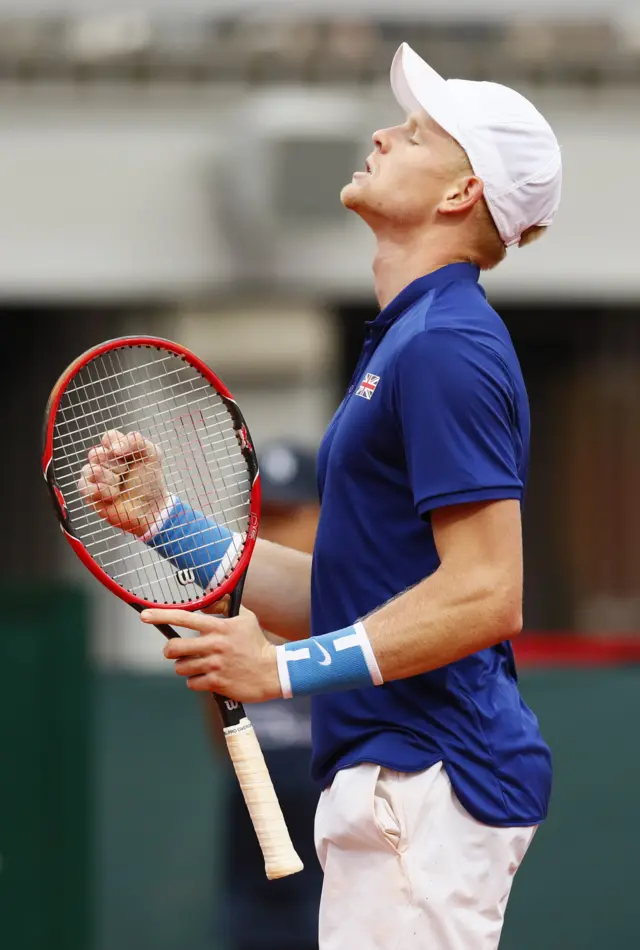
433 772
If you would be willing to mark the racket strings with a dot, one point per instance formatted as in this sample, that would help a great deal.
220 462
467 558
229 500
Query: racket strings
122 415
167 401
75 448
123 576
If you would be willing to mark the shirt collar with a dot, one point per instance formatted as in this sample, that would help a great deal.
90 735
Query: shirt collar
421 286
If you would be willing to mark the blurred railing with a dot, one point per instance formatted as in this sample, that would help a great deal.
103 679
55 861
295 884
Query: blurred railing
138 46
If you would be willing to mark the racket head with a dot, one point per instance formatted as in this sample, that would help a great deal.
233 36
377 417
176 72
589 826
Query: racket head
162 390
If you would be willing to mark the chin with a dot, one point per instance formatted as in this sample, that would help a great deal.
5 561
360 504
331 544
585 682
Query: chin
348 195
353 196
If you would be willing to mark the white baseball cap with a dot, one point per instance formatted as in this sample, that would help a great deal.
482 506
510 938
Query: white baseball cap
510 145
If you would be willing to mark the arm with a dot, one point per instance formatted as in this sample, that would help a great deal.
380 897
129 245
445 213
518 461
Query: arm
473 600
456 405
278 589
124 483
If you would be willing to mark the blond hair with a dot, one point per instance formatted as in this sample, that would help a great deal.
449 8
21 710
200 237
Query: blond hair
489 249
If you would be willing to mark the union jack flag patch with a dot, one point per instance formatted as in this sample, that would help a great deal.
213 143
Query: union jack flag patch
368 385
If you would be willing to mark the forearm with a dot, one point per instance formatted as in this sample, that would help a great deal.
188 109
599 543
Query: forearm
278 585
443 619
278 590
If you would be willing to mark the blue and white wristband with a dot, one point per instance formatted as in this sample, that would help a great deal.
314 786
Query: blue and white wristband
197 546
341 660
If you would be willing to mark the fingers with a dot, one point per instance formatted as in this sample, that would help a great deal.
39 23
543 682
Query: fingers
220 608
132 446
92 490
96 473
201 666
200 623
100 477
200 650
106 463
205 683
197 665
97 456
98 483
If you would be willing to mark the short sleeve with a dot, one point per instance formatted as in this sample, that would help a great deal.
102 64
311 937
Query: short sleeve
455 401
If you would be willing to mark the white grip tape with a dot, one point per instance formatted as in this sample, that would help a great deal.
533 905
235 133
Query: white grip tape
280 857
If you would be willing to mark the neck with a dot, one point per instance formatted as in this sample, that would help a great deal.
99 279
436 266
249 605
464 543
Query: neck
399 261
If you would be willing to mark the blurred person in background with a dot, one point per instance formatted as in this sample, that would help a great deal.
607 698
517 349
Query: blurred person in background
258 914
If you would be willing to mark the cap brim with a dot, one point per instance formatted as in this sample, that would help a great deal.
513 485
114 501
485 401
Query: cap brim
416 85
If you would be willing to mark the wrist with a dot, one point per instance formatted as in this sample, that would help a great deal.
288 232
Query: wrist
164 510
341 660
197 546
273 685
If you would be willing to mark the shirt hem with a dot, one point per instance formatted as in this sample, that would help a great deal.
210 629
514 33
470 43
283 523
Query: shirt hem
387 764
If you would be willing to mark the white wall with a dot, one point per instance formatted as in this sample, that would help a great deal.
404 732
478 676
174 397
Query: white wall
114 194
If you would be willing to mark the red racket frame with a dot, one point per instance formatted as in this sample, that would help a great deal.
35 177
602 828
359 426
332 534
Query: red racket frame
257 788
246 446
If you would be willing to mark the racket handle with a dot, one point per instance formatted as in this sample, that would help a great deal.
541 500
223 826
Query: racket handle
166 631
280 857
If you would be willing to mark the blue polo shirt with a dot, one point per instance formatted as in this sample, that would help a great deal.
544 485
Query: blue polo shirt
436 415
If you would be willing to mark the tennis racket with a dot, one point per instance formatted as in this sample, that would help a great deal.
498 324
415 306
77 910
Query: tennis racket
151 419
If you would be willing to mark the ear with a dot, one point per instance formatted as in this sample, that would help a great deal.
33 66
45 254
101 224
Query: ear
462 195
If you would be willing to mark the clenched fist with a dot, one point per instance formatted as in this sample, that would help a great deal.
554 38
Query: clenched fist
124 483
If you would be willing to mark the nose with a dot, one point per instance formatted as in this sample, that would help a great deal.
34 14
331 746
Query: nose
381 140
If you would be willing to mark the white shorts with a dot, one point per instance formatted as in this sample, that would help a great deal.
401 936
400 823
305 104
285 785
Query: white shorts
406 867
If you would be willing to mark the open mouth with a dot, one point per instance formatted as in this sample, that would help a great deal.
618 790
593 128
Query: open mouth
366 173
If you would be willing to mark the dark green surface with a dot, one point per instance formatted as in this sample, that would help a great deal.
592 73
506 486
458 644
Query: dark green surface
45 773
160 818
578 886
158 801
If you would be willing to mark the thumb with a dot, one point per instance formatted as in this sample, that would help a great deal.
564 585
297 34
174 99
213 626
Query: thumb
220 608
